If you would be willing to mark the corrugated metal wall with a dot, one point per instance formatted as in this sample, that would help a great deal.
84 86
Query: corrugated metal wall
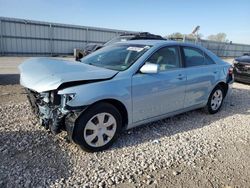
225 49
27 37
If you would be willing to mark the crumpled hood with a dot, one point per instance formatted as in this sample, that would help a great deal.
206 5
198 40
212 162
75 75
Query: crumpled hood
44 74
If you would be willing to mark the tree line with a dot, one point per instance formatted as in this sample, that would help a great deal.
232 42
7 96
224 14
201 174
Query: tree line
219 37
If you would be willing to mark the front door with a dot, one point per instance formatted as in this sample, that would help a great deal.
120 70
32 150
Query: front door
160 93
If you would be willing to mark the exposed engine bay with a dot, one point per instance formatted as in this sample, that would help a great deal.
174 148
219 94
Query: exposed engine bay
50 108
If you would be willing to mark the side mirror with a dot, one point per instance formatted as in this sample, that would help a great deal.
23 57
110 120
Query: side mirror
149 68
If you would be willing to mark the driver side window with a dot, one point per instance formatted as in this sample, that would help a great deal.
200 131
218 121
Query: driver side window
167 58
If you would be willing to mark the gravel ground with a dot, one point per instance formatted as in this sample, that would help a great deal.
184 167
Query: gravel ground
193 149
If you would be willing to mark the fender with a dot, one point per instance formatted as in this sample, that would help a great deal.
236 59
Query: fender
87 94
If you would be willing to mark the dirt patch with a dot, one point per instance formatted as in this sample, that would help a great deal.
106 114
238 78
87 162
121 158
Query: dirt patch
12 93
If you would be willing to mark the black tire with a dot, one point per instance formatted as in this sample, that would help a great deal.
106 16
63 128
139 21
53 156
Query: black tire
208 107
81 122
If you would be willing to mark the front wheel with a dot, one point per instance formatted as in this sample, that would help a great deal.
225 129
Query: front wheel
98 127
215 100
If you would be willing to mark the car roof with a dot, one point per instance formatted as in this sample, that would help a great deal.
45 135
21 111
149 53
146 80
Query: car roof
145 42
158 43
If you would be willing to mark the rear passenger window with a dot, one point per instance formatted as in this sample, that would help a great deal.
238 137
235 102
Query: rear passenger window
208 60
193 57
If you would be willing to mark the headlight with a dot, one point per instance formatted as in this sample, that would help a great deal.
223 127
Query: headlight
234 63
65 98
68 97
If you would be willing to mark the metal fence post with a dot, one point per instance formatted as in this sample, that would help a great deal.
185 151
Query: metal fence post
51 39
87 36
1 38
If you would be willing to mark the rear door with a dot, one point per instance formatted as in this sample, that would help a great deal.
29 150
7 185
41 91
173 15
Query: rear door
158 94
202 72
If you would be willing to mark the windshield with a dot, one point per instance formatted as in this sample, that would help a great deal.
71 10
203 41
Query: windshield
116 57
90 47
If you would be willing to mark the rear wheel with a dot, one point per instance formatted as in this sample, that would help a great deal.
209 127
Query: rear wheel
215 100
98 127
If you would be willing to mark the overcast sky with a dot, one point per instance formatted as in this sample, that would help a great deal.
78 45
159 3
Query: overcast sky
157 16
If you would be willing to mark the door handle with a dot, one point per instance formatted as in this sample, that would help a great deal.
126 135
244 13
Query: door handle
180 77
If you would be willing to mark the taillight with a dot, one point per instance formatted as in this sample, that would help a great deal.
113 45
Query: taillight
230 70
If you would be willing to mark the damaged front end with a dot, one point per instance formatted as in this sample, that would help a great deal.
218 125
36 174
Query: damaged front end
51 109
43 78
